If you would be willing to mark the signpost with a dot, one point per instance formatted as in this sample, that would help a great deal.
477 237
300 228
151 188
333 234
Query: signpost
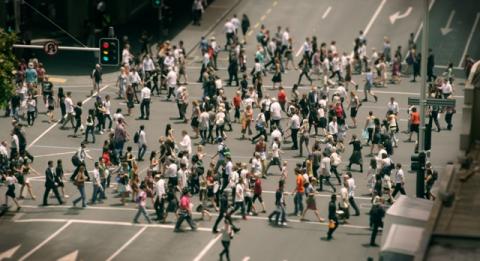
50 47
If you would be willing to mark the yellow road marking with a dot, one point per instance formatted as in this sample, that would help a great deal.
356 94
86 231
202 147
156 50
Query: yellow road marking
249 33
256 25
275 3
57 80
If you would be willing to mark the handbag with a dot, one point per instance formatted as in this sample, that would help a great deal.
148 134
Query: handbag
331 224
365 134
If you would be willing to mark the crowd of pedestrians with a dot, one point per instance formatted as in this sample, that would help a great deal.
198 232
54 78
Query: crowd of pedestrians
320 123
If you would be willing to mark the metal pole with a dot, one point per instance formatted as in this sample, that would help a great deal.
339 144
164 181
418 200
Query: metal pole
423 71
68 48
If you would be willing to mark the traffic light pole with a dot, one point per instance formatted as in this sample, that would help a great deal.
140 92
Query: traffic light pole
423 103
68 48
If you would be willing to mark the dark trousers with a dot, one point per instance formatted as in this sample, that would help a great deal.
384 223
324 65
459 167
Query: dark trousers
232 76
398 188
331 230
90 129
30 117
306 75
141 151
226 250
55 191
327 181
182 217
279 212
294 134
353 204
221 215
298 201
159 206
261 132
374 234
334 170
239 205
203 135
145 108
78 123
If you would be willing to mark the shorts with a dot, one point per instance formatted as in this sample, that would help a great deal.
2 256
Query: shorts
353 112
414 128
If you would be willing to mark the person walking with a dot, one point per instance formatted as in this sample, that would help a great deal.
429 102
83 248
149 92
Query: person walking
399 181
141 203
227 235
96 77
223 213
185 211
145 96
140 138
279 212
332 216
298 193
376 219
324 172
11 180
51 184
69 110
348 178
79 181
368 86
311 203
294 125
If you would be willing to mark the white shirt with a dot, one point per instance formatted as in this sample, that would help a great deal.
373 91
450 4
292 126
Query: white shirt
96 177
125 56
325 166
256 166
351 187
186 144
169 61
294 122
239 195
235 22
393 106
341 91
275 150
148 64
107 105
182 178
333 127
142 139
446 88
399 176
171 170
277 134
3 150
133 77
160 188
285 38
172 78
145 93
233 178
68 105
229 27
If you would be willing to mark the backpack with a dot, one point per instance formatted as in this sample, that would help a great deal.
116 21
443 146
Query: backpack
136 137
76 160
226 151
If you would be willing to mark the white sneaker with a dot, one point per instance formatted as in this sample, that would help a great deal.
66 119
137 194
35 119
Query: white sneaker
101 132
284 223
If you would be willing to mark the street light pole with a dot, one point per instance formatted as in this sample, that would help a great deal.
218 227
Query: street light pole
423 87
423 104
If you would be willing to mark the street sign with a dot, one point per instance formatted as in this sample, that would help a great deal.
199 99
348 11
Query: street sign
433 102
50 47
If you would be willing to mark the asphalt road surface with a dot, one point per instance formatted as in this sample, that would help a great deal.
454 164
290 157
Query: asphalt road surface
104 231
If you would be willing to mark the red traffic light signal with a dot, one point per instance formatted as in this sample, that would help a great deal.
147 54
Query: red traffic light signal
109 51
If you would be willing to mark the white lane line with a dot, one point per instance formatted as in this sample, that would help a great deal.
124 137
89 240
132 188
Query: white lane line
247 258
374 17
62 147
54 154
126 244
56 123
417 34
52 236
326 12
299 51
446 66
207 247
128 224
102 222
469 39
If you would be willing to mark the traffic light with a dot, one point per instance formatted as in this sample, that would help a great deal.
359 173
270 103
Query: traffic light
156 3
109 51
418 161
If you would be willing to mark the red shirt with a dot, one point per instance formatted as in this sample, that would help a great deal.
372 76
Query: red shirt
415 117
282 96
257 188
237 101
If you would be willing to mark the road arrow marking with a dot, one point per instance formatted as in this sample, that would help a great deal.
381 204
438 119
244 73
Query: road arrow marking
394 17
70 257
447 29
9 253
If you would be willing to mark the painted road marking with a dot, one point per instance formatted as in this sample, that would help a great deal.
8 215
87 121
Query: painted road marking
207 247
126 244
394 17
275 3
58 80
249 33
100 222
374 17
256 25
69 257
52 236
326 12
9 253
417 34
56 123
269 10
119 223
54 154
263 17
247 258
448 28
469 39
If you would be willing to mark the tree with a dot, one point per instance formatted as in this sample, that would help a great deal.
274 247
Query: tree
8 62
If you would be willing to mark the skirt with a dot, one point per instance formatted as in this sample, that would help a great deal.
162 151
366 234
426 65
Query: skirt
311 204
11 191
356 157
